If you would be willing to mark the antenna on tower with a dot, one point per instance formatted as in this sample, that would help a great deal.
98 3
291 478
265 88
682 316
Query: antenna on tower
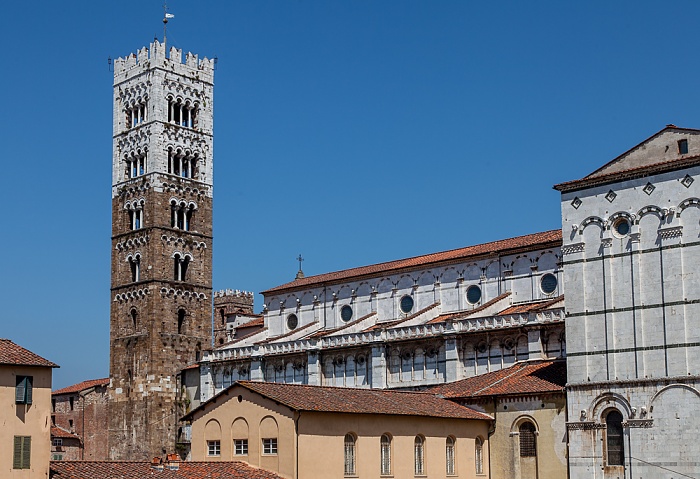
166 16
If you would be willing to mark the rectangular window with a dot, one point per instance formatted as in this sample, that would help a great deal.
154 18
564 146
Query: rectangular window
240 447
683 147
22 452
57 457
270 445
213 448
57 442
23 390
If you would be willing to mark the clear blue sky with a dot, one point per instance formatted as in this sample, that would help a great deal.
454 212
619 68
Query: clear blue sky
351 131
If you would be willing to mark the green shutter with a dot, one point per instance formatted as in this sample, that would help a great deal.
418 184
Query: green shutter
26 451
17 454
20 389
29 389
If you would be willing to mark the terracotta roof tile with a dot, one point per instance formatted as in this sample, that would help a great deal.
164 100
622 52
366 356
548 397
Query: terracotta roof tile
391 324
13 354
530 307
531 241
62 433
293 331
140 470
237 340
521 378
465 314
326 332
76 388
259 321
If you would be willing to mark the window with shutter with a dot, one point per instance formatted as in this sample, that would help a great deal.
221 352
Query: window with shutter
22 452
23 390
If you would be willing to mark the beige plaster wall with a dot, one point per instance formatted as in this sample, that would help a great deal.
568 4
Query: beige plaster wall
25 420
550 423
321 445
321 439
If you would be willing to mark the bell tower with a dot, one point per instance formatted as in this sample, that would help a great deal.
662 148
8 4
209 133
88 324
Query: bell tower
161 283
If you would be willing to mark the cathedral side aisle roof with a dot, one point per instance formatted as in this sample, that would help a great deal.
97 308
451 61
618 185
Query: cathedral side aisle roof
506 246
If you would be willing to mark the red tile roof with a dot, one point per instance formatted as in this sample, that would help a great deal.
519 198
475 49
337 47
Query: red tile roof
465 314
62 433
259 321
391 324
293 331
521 378
76 388
325 332
355 401
13 354
140 470
519 243
530 307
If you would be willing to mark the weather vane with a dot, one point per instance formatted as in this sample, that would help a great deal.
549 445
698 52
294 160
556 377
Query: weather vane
166 16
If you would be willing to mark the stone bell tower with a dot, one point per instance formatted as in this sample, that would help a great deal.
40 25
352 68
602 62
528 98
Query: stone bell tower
161 287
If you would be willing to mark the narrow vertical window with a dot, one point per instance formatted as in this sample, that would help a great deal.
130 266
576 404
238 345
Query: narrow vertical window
450 456
479 455
181 313
134 318
135 265
71 401
386 455
349 455
615 443
177 273
419 456
683 147
528 440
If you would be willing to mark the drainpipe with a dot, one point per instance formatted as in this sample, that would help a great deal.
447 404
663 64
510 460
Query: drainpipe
492 429
296 437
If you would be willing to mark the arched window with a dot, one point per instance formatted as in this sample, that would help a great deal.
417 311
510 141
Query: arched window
134 317
386 454
349 455
181 313
181 215
528 443
135 265
180 264
449 456
479 455
615 443
419 456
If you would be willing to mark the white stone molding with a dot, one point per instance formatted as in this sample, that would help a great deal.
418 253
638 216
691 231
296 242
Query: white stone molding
589 221
131 295
649 210
584 425
620 214
132 243
573 248
638 423
177 292
686 203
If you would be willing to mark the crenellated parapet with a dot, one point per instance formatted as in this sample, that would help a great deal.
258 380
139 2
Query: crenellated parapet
156 56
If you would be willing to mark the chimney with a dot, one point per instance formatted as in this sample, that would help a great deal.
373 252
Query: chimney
173 462
157 464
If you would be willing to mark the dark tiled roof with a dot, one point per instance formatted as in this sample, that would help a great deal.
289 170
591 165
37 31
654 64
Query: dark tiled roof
465 314
76 388
140 470
62 433
13 354
360 401
259 321
521 378
293 331
527 242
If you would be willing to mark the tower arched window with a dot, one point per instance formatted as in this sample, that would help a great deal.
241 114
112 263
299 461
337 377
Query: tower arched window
385 449
136 114
181 215
615 438
182 113
180 265
182 163
181 314
350 456
136 164
419 455
135 266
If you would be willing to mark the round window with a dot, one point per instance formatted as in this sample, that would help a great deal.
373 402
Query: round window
548 283
473 294
406 304
346 313
621 227
292 321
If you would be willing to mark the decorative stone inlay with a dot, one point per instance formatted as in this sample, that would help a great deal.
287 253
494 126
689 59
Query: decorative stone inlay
131 295
584 425
635 237
611 196
643 423
687 181
172 292
673 232
573 248
131 243
648 188
606 242
576 202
